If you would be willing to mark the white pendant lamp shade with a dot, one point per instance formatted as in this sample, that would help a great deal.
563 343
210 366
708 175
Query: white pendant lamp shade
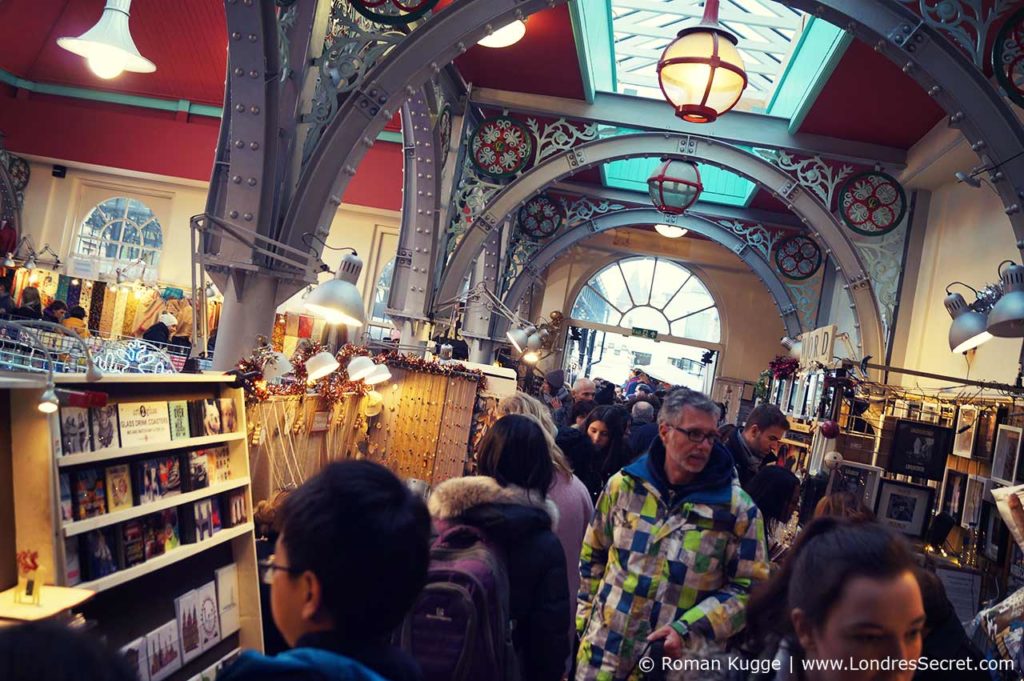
373 404
380 374
338 301
276 366
108 47
670 231
359 368
1006 319
505 36
320 365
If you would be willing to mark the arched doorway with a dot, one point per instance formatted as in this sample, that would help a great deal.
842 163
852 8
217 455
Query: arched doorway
645 312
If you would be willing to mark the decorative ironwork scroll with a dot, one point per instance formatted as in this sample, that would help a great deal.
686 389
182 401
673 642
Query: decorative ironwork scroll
966 22
814 173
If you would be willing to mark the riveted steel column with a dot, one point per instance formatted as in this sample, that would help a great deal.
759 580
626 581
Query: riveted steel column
824 225
476 323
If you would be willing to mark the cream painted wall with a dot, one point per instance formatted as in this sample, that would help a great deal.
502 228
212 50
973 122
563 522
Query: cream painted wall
751 324
55 206
966 238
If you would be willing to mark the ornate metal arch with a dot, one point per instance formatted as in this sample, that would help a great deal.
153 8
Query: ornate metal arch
649 216
801 202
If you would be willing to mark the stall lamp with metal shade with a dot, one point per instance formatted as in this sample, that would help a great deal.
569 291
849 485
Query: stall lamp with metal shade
519 337
276 366
320 365
359 368
1006 319
792 345
969 327
48 402
9 260
108 47
338 301
380 374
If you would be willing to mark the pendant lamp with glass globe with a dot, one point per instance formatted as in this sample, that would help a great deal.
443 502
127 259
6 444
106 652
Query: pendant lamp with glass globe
674 186
701 73
338 301
108 47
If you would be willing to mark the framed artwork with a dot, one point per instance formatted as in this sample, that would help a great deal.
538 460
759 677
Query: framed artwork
966 430
954 490
904 507
920 449
972 502
988 422
1004 458
995 536
930 412
748 392
859 479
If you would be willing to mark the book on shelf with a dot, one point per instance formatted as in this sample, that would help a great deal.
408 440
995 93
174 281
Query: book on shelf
99 558
67 513
203 517
157 478
196 410
218 464
72 566
178 411
215 521
90 497
75 433
196 469
211 418
233 508
143 423
105 430
163 651
119 487
209 616
131 548
153 535
186 607
138 660
228 415
172 536
227 599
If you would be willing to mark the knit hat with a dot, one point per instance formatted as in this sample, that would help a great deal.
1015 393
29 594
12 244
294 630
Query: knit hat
556 379
168 320
605 394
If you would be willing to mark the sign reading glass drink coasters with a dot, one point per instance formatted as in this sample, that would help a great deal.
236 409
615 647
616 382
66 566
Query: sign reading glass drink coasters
143 423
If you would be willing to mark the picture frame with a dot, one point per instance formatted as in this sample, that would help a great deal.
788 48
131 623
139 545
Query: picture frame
904 507
1006 453
860 479
966 431
954 491
973 497
995 534
988 423
920 449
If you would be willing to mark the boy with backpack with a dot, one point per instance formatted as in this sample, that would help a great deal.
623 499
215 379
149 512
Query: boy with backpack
350 560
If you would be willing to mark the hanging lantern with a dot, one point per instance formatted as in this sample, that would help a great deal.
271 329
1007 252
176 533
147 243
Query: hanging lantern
701 73
674 186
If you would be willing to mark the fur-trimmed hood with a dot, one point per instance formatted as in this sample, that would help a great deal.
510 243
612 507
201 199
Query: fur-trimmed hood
456 498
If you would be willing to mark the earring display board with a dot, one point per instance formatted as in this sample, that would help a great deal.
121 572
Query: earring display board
140 524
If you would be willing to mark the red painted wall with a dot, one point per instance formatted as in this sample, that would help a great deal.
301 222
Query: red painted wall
152 141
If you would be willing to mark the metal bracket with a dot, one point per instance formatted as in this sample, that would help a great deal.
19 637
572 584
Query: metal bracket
688 145
788 310
786 191
576 158
858 282
740 249
908 37
403 258
488 221
370 102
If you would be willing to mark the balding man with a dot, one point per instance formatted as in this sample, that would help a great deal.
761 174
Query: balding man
582 389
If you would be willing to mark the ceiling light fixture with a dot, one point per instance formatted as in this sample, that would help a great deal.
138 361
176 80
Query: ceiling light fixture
380 374
701 73
674 186
320 365
9 260
338 301
505 36
671 232
1006 319
359 367
108 47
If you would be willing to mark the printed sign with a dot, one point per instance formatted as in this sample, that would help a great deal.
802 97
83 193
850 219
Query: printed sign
143 423
816 347
645 333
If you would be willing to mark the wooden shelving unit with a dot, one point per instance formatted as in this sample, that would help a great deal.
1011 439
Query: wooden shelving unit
132 601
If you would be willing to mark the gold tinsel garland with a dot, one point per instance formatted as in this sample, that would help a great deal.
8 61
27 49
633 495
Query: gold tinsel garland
336 385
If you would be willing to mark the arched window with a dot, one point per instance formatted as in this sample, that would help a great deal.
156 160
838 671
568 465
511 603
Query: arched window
119 231
379 325
650 293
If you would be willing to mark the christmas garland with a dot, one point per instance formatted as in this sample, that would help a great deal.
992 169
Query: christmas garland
336 385
783 367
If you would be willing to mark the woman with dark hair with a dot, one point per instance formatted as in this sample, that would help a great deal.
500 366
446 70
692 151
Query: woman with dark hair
508 502
776 492
847 592
52 651
606 427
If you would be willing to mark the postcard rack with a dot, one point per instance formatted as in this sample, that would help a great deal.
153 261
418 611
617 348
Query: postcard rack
147 513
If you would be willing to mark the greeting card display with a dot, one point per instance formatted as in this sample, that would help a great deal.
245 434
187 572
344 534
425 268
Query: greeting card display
186 607
153 535
132 546
169 520
72 565
228 415
209 616
178 412
227 599
75 434
143 423
211 418
119 487
218 464
163 651
99 557
90 494
196 416
157 478
202 514
66 505
233 508
196 470
920 449
138 661
104 426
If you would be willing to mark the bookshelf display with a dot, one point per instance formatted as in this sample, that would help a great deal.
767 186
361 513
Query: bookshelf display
140 501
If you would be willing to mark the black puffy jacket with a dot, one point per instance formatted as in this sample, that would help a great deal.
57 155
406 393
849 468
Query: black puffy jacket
522 525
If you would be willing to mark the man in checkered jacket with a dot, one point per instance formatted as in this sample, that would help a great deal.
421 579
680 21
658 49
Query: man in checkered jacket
673 549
